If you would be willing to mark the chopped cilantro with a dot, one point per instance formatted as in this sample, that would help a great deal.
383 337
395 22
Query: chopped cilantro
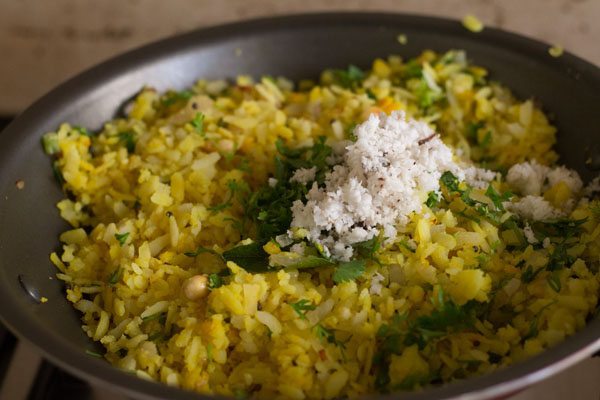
497 198
425 95
214 281
413 69
270 206
251 257
198 123
172 97
449 180
160 316
82 131
486 140
241 189
201 250
328 335
533 325
128 139
404 243
433 199
348 271
94 354
554 282
57 173
122 238
349 78
301 307
50 143
369 248
115 276
472 128
529 274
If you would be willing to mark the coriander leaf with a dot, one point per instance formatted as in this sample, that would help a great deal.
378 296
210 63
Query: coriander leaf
93 354
82 131
301 307
115 276
128 140
250 257
486 140
472 128
348 271
328 335
307 262
201 250
425 95
198 123
449 180
349 78
159 316
497 198
413 69
235 188
174 97
57 173
433 199
214 281
369 248
50 143
554 282
404 243
122 238
533 325
529 274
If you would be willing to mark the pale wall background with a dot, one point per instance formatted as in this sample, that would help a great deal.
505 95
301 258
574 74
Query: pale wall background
43 42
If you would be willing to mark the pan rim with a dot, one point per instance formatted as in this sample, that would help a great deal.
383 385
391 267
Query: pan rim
503 382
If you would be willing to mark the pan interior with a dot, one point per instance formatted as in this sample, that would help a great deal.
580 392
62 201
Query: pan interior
296 47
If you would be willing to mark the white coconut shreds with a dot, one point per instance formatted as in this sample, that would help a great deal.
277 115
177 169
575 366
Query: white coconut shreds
529 234
383 177
479 178
534 208
304 175
531 178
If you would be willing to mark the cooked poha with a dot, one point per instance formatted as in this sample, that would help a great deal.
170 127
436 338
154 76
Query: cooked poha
183 264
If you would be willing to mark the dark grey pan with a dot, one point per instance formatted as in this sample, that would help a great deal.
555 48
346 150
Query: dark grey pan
296 47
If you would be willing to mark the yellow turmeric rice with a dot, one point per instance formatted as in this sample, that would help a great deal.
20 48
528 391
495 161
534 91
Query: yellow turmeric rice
158 196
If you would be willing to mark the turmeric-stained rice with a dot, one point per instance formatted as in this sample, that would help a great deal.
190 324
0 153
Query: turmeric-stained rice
159 196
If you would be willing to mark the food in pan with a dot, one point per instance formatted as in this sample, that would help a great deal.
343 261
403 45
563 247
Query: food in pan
373 231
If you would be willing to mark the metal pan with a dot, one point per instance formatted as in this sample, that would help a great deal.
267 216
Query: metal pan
296 47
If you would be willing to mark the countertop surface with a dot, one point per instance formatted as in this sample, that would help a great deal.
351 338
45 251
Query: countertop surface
44 42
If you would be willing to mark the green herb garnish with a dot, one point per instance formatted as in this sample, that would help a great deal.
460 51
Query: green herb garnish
301 307
214 281
128 139
198 123
328 335
433 199
349 271
50 143
115 276
554 282
251 257
122 238
349 78
175 97
93 354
